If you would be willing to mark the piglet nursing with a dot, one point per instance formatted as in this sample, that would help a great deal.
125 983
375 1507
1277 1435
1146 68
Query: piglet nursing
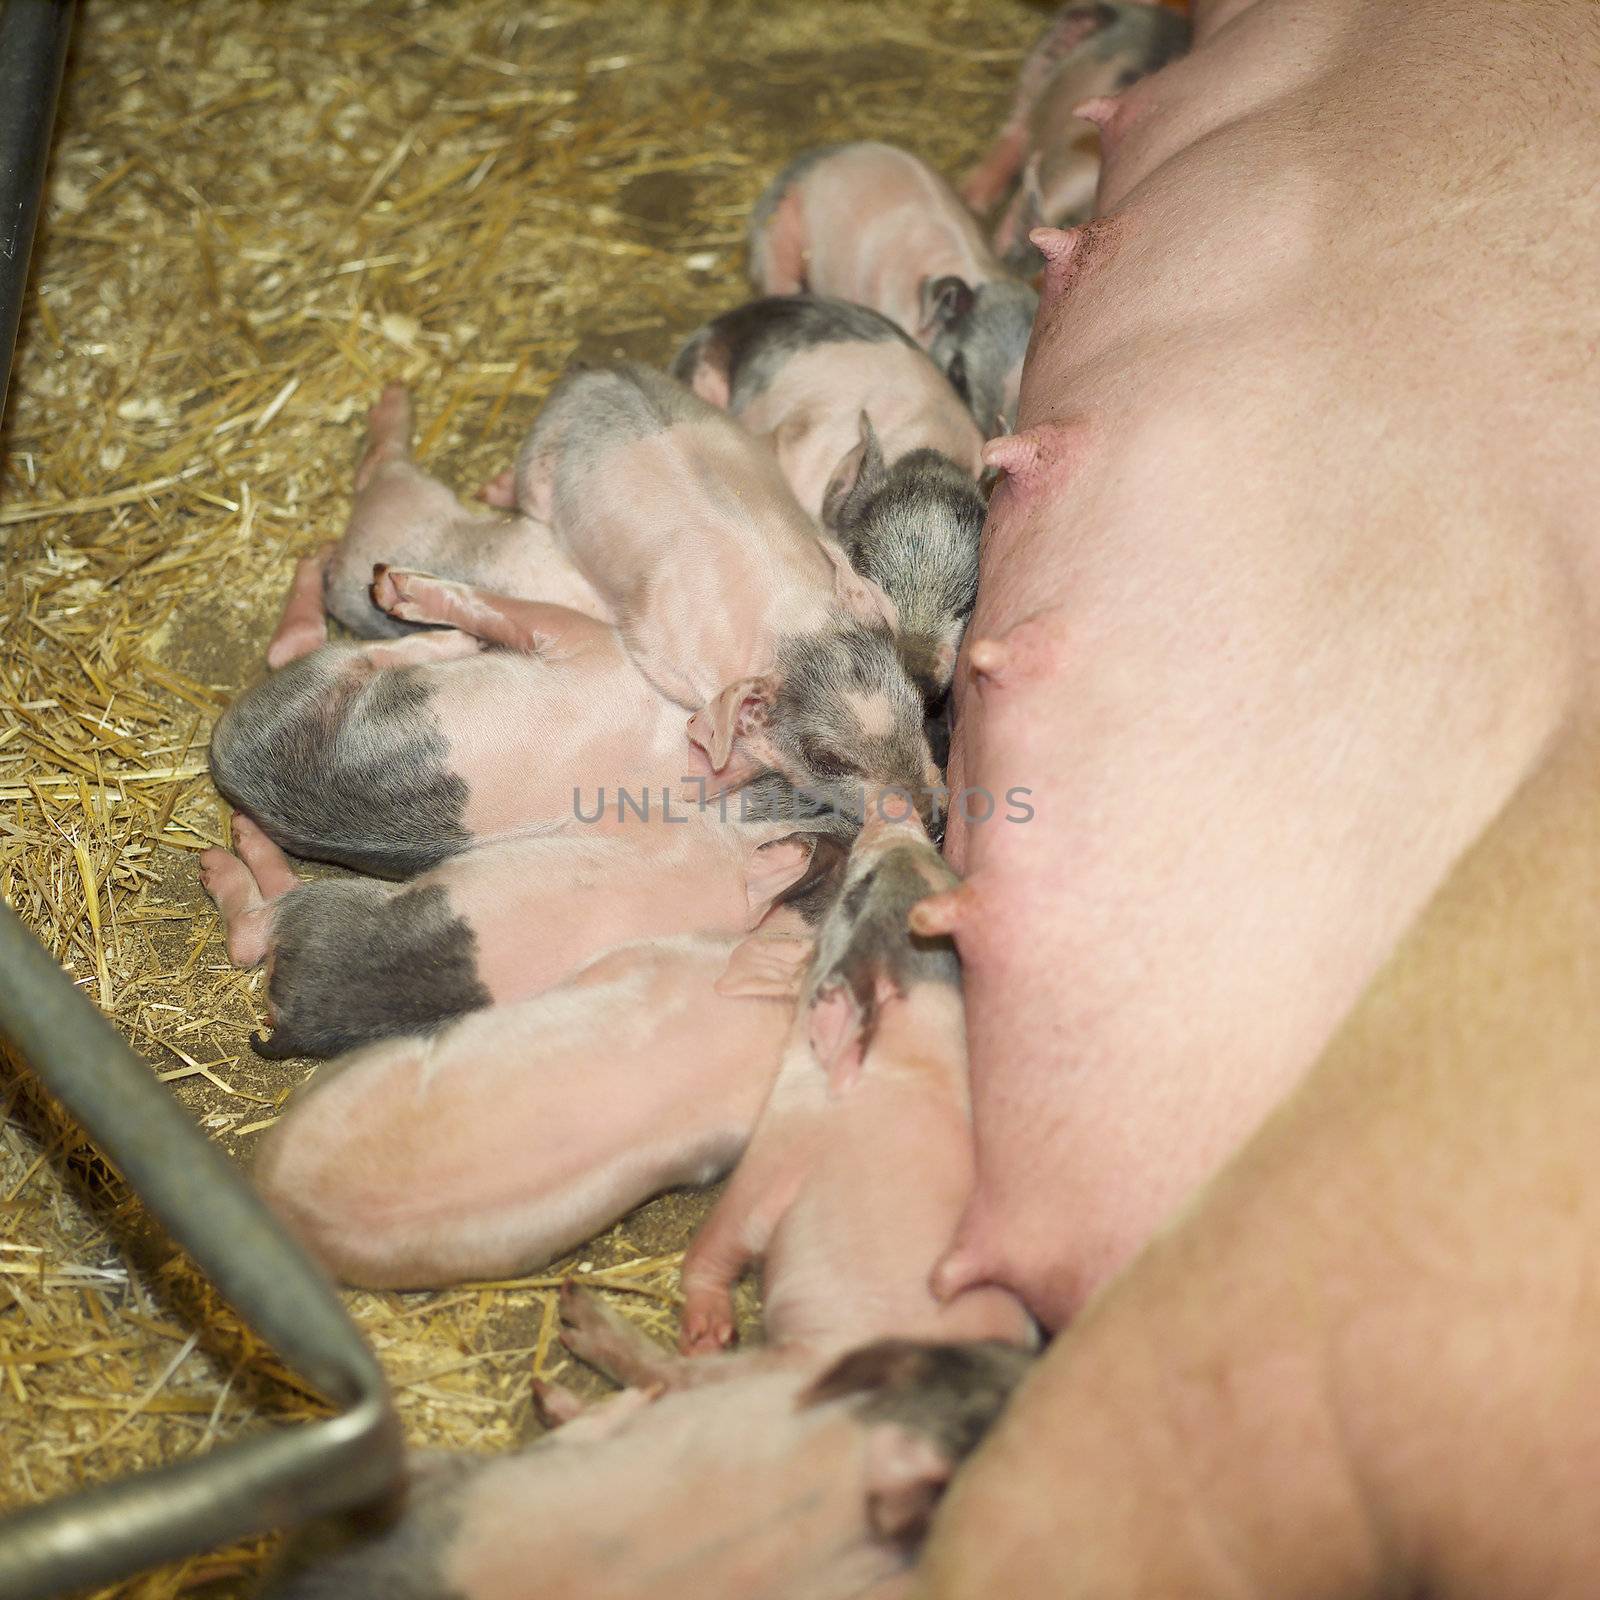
1049 147
782 1484
726 595
873 440
493 1145
861 1164
871 223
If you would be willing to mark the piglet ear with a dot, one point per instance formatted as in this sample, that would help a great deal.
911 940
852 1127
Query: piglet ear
716 725
861 473
708 376
944 300
858 594
838 1038
772 868
905 1475
766 965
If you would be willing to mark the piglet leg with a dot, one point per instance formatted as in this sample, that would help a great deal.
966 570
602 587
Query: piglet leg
593 1423
244 887
501 490
554 1404
998 170
736 1234
607 1341
448 644
388 433
304 624
529 626
603 1339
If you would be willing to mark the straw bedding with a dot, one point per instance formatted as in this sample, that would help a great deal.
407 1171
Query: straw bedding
258 214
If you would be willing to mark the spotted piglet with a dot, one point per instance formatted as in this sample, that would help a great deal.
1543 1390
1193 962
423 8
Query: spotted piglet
404 517
351 960
728 597
789 1485
493 1145
874 224
861 1163
393 757
873 440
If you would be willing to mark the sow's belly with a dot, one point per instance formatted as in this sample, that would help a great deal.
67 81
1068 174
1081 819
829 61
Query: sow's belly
1232 641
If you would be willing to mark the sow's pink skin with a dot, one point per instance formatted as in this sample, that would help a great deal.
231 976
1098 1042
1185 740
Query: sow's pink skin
875 225
403 517
501 1141
1259 712
783 1484
727 596
392 757
1049 148
350 960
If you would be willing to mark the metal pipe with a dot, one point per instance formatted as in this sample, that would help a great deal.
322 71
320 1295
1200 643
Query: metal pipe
269 1480
204 1201
33 49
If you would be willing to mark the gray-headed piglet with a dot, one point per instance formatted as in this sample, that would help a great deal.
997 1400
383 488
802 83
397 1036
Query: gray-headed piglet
780 1484
872 223
875 443
728 597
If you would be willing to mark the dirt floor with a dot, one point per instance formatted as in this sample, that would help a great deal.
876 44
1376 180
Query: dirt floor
258 214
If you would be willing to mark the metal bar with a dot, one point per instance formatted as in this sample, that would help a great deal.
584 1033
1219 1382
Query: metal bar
204 1201
33 48
262 1482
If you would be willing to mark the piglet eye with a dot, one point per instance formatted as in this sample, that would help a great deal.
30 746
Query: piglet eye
824 762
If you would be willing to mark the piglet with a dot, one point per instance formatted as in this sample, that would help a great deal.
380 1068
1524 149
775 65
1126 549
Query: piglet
874 224
862 1160
499 1142
392 757
874 442
354 959
798 370
404 517
786 1485
914 527
1091 51
727 596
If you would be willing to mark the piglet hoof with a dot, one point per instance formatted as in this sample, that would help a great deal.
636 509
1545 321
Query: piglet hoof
385 591
554 1404
402 594
706 1331
500 490
215 864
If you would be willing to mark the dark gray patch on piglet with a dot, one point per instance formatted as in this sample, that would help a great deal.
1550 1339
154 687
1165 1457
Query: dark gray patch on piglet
354 961
952 1394
979 345
825 680
340 761
866 941
393 1553
751 344
914 529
